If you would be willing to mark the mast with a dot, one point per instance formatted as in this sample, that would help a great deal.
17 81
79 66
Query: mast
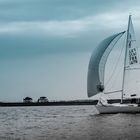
125 58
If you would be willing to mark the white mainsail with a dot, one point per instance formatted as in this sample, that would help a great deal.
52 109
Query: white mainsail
132 66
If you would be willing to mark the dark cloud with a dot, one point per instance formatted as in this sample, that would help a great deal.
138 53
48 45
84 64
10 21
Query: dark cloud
61 13
58 9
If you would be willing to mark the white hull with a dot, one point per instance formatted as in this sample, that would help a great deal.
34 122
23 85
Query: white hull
121 108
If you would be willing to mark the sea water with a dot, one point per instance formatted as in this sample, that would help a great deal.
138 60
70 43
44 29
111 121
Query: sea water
66 123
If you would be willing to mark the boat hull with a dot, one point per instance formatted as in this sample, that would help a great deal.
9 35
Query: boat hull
117 109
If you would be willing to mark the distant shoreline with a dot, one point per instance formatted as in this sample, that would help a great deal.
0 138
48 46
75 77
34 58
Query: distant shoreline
51 103
55 103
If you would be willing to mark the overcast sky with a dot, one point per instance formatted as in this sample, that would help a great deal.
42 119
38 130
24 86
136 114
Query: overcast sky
45 45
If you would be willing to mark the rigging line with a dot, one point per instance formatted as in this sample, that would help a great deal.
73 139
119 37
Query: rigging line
132 68
116 76
115 68
113 91
119 70
132 40
116 64
104 56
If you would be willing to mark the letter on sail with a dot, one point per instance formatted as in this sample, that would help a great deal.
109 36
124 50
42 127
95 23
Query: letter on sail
131 45
95 81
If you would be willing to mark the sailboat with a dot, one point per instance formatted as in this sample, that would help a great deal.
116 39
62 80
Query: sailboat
96 72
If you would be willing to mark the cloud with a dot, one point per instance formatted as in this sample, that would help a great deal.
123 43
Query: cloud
53 28
68 28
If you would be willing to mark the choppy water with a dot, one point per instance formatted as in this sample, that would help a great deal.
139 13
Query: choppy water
66 123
